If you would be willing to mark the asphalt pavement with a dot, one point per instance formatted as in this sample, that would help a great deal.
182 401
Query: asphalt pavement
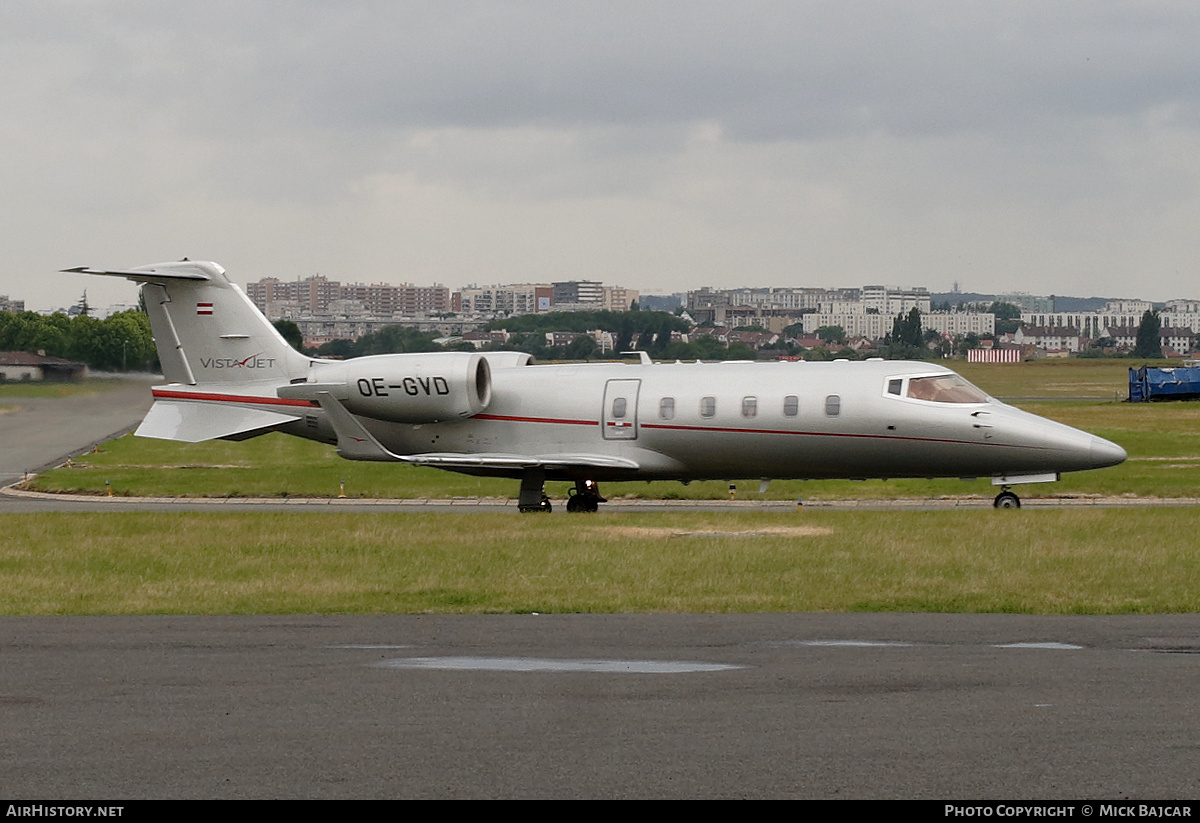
39 432
600 706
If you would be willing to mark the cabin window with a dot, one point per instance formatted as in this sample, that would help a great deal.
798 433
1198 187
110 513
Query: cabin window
666 408
749 406
708 406
944 388
833 405
791 406
894 386
618 408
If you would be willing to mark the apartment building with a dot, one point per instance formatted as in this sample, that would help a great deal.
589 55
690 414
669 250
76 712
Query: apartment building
316 294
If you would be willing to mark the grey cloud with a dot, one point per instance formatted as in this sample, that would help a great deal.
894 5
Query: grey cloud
765 71
865 137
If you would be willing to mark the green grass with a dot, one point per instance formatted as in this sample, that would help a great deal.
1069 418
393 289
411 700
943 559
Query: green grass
271 466
1095 561
53 389
1099 379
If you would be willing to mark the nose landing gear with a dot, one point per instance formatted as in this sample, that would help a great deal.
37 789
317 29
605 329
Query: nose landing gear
585 497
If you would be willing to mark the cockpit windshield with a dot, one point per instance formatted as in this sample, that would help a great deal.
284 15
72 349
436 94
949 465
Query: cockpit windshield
944 388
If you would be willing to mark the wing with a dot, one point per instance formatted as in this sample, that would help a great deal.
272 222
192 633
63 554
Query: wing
520 461
356 443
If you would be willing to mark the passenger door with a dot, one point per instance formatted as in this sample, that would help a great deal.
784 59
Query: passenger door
618 418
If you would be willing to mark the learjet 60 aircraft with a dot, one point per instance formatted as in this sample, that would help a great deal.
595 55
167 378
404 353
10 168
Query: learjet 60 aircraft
232 376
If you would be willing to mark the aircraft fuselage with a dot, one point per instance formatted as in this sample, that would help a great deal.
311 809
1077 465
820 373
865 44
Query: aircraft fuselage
737 420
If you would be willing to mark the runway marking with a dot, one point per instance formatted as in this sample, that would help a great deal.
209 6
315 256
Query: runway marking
854 643
899 644
1055 646
374 646
541 664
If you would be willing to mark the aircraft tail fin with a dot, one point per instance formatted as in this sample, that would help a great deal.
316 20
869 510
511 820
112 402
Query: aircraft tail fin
206 329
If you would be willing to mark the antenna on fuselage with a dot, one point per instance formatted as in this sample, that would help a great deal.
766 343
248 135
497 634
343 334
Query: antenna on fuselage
644 357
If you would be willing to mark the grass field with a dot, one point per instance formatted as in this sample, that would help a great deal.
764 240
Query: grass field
1162 439
1095 379
1048 561
82 387
1095 561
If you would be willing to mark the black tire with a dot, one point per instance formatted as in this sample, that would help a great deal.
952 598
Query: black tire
1007 500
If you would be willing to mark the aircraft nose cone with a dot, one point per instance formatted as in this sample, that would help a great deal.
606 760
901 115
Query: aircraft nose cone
1105 453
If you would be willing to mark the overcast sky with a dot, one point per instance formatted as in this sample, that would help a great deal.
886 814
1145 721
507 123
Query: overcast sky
1047 147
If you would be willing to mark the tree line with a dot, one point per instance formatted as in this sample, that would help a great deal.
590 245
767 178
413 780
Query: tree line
122 341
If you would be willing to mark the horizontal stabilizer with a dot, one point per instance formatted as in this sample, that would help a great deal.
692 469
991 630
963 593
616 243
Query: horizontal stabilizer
191 422
146 274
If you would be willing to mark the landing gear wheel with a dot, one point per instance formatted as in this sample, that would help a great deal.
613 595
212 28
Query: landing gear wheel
585 497
1007 500
543 506
578 502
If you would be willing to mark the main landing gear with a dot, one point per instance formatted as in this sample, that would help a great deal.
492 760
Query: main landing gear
533 492
585 497
1006 500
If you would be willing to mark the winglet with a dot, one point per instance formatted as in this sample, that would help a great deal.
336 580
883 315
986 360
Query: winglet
353 441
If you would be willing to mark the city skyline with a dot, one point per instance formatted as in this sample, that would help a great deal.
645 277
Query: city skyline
973 299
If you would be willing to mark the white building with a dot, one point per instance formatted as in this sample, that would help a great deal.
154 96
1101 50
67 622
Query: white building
1091 324
1183 314
959 323
856 324
1049 338
519 298
1176 339
892 300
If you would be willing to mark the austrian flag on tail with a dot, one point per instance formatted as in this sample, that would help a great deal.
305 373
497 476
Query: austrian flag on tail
204 308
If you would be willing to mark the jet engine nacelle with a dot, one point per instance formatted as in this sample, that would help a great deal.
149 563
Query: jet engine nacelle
403 388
